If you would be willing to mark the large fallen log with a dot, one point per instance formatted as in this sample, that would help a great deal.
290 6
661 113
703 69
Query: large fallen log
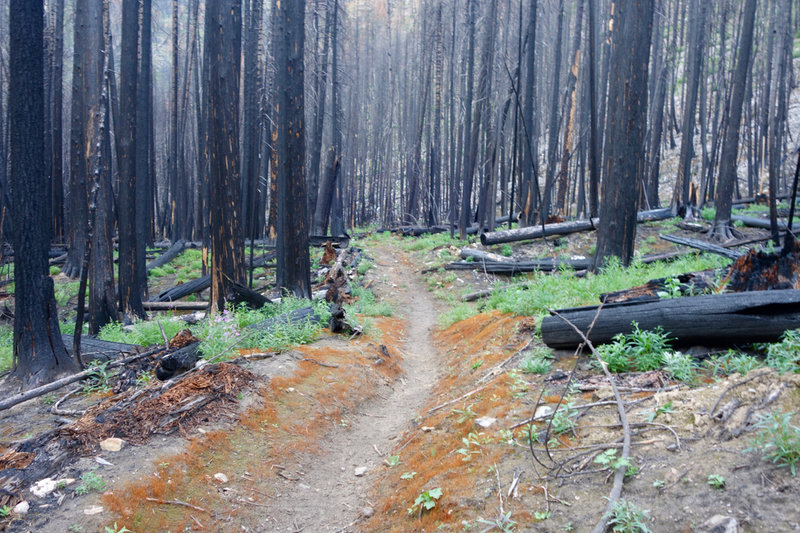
763 223
715 319
481 255
562 228
171 253
704 246
184 289
93 348
546 264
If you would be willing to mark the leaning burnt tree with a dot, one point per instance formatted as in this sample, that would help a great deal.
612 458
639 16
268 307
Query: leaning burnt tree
293 264
223 45
625 129
39 352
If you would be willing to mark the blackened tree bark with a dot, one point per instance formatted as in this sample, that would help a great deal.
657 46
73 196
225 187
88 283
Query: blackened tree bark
552 128
594 137
627 112
223 44
293 264
529 192
463 220
694 58
39 352
143 196
320 90
78 208
730 147
779 116
57 85
130 291
102 294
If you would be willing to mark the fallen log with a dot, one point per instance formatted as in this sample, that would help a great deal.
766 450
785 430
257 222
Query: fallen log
762 223
172 252
563 228
93 348
715 319
184 289
175 306
342 241
704 246
481 255
547 264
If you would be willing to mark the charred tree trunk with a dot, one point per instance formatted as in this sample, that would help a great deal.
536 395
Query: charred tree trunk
227 239
730 147
293 263
39 352
626 121
57 162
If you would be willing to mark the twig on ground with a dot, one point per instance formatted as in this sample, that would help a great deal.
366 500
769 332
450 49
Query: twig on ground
737 384
616 490
504 363
176 502
451 402
56 410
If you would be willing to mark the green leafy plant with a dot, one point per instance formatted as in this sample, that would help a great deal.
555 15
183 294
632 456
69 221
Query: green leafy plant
5 511
672 288
680 366
99 381
641 350
116 529
610 460
366 304
535 365
465 414
408 475
477 364
784 356
626 517
506 250
732 361
716 481
778 439
563 419
502 523
90 482
660 410
425 501
542 515
659 484
392 460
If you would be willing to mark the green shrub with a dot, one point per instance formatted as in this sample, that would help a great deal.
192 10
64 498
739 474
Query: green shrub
456 313
732 361
784 356
6 347
366 304
627 517
778 439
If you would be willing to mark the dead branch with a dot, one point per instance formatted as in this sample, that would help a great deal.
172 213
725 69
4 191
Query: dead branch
738 384
619 477
176 502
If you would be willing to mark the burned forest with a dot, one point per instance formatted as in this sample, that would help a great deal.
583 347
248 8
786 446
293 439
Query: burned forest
399 265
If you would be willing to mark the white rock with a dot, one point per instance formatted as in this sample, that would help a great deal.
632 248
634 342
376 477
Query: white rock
101 461
360 471
485 421
93 510
367 512
222 478
720 524
21 508
43 487
112 444
542 411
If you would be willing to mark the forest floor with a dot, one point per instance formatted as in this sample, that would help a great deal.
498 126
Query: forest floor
345 434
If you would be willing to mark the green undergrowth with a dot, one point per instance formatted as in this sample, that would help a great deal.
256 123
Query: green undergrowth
562 290
6 346
223 334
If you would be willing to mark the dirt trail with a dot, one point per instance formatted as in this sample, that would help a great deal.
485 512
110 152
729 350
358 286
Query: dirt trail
331 497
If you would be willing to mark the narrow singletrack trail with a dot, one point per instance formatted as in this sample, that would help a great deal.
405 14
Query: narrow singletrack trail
330 496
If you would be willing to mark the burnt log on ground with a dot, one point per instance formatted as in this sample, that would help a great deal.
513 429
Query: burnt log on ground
94 349
481 255
175 306
342 241
547 264
172 252
704 246
184 289
762 223
688 284
563 228
715 319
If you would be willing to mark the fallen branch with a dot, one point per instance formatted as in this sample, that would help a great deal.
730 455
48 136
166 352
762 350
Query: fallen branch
619 477
451 402
176 502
